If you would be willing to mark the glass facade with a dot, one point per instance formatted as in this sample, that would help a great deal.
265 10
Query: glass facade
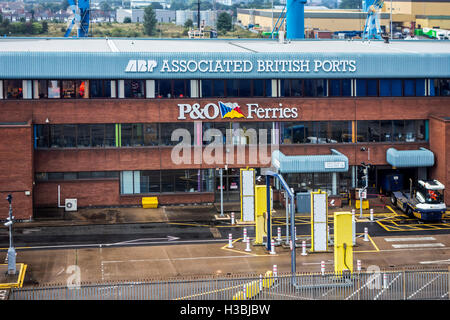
315 132
391 87
392 131
82 175
220 88
166 181
240 133
236 88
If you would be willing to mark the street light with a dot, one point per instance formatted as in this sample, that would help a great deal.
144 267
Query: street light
11 251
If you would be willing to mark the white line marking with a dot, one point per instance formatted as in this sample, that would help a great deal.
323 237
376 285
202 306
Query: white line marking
409 239
173 259
435 261
418 245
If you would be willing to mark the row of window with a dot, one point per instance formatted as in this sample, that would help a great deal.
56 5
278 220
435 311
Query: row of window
159 181
237 133
197 180
82 89
70 176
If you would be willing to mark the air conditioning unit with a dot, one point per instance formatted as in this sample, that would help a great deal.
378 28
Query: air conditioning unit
71 205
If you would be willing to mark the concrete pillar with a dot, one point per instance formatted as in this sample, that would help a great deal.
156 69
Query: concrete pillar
276 92
35 89
149 89
27 89
195 89
113 89
121 86
334 184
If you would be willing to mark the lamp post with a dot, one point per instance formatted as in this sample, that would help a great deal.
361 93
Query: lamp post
11 251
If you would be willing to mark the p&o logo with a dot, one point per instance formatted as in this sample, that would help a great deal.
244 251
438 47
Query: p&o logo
210 111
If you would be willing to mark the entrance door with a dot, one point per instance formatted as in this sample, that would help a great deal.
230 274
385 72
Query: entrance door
231 185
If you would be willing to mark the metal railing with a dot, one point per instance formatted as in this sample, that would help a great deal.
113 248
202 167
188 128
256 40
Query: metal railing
379 285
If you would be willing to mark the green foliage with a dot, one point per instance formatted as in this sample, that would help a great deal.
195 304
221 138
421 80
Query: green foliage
224 22
127 20
149 21
188 24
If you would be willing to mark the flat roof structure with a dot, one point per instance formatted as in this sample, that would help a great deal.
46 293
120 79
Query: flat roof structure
57 58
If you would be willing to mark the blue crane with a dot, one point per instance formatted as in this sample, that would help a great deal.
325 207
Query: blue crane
372 28
79 18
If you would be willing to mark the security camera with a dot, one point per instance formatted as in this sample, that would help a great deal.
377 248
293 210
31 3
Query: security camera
7 224
363 148
9 198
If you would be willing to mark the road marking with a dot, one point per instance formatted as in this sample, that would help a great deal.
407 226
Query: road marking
409 239
418 245
435 261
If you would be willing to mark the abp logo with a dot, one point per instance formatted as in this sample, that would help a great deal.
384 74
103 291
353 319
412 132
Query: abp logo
141 66
230 110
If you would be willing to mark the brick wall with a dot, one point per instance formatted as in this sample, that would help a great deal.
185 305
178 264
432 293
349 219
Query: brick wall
16 170
440 145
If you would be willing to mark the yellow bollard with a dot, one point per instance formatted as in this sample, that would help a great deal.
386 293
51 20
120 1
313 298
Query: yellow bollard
343 242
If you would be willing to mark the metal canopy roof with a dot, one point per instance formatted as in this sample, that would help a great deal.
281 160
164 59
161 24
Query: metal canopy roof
410 158
97 58
336 162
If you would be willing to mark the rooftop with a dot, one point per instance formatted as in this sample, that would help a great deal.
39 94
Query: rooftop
131 45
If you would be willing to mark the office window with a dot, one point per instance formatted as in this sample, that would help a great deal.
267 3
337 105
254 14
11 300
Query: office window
12 89
69 139
172 88
340 88
134 88
440 87
315 87
168 128
84 136
150 181
100 88
163 88
56 136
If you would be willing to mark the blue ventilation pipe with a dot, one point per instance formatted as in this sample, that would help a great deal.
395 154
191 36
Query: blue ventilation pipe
295 19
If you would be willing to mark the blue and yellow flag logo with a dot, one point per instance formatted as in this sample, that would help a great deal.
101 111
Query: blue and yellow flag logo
230 110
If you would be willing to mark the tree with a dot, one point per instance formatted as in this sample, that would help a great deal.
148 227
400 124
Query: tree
224 22
127 20
149 21
188 24
44 26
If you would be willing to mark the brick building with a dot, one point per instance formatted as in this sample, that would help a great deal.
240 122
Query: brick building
99 117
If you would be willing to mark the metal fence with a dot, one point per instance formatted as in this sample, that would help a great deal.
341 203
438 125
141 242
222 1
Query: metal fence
379 285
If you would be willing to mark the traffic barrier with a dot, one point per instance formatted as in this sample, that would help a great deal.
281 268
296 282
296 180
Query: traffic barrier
248 245
358 265
290 245
304 248
272 246
245 235
322 267
232 219
275 270
279 234
366 234
295 232
230 240
371 214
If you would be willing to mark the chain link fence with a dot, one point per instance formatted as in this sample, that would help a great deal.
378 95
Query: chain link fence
378 285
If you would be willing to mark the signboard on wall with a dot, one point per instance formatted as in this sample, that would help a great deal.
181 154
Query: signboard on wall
248 194
319 221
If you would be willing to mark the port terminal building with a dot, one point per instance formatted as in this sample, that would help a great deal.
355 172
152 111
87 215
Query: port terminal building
110 121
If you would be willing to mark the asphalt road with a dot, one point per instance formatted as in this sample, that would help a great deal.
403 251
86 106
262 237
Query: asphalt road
134 234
